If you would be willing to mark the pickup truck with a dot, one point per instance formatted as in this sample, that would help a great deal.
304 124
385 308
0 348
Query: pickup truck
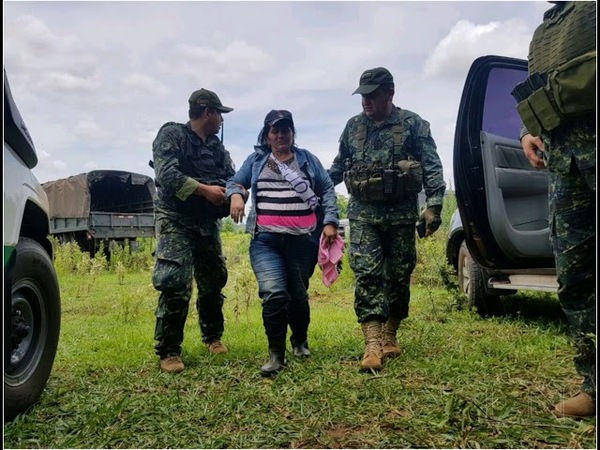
499 238
106 206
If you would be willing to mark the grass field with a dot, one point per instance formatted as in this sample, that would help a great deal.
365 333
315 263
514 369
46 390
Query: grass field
461 381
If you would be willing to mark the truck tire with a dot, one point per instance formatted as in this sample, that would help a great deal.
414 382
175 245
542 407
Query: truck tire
472 281
35 327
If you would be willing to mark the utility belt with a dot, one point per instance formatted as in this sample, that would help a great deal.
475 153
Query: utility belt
375 184
546 99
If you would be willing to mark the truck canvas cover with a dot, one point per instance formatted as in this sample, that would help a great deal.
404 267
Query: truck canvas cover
100 191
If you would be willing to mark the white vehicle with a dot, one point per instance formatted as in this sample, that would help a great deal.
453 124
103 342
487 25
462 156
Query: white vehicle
31 291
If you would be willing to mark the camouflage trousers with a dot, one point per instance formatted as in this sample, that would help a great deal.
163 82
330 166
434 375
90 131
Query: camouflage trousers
182 255
573 235
382 258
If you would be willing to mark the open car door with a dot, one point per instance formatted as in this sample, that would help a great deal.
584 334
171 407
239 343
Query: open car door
502 199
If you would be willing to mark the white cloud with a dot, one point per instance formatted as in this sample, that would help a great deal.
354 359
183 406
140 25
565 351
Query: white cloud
95 80
466 41
144 83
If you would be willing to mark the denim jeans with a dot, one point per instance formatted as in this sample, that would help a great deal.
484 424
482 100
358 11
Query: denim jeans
283 265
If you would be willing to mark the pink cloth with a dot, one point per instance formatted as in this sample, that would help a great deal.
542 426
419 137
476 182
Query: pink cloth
329 258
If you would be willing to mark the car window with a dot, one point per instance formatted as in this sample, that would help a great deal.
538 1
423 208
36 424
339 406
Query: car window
502 119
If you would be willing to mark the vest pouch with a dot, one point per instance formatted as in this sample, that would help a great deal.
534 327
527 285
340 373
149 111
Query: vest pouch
546 113
410 180
374 189
530 120
573 85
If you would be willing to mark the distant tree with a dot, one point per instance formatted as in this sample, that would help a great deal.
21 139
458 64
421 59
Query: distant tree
342 203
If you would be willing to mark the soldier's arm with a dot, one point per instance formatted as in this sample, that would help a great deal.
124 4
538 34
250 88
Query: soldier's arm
336 171
165 150
433 175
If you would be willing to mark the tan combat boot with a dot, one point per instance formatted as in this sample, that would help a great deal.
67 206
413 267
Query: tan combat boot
372 357
171 364
389 344
582 405
216 347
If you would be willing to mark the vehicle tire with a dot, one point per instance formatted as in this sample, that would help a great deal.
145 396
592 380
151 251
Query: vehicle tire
35 327
472 282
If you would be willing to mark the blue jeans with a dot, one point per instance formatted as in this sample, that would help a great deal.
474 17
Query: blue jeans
283 265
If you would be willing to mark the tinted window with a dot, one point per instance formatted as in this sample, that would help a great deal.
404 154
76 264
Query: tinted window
500 115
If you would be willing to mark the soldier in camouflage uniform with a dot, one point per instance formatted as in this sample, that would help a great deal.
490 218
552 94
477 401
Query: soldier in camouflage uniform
191 166
564 135
386 156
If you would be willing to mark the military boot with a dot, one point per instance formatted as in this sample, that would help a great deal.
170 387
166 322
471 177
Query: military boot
582 405
389 343
171 364
276 357
216 347
372 357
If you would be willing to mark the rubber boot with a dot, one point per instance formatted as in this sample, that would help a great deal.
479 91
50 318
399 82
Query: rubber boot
299 343
582 405
389 343
301 349
372 357
276 357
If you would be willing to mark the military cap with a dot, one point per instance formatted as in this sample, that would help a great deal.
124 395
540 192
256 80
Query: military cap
209 99
275 116
373 78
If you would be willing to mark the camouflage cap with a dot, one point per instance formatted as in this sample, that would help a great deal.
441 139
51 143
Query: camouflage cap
373 78
209 99
275 116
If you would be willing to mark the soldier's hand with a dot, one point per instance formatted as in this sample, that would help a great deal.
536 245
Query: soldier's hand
532 145
237 210
214 194
433 219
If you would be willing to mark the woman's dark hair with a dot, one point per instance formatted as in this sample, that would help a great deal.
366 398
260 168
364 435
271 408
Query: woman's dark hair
262 140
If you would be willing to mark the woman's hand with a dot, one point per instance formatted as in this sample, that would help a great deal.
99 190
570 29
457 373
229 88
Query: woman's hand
329 234
238 210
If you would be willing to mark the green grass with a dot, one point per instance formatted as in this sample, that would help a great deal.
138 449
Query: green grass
461 381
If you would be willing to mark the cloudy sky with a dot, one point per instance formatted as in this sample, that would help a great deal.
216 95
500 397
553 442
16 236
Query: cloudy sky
95 80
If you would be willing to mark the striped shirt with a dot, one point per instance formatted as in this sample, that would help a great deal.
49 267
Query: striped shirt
279 209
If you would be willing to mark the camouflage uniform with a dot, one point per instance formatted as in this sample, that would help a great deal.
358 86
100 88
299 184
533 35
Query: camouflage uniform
382 236
571 150
188 230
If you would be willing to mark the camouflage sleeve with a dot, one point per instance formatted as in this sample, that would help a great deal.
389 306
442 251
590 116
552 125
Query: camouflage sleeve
229 165
433 175
165 150
336 172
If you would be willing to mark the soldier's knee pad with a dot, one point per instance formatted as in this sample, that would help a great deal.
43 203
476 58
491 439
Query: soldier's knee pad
169 276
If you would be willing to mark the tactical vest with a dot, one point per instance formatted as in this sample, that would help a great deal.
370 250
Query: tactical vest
562 68
568 30
388 183
205 165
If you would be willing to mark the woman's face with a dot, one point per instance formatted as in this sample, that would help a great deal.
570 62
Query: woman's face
280 137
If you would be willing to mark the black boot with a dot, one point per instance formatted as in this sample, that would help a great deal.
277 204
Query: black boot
276 357
300 349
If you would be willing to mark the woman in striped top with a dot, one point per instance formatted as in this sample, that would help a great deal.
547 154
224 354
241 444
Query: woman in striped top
293 203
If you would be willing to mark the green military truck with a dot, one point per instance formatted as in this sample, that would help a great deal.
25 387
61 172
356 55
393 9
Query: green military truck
101 207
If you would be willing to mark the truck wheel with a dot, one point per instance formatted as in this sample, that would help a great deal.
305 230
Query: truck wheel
472 281
34 327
